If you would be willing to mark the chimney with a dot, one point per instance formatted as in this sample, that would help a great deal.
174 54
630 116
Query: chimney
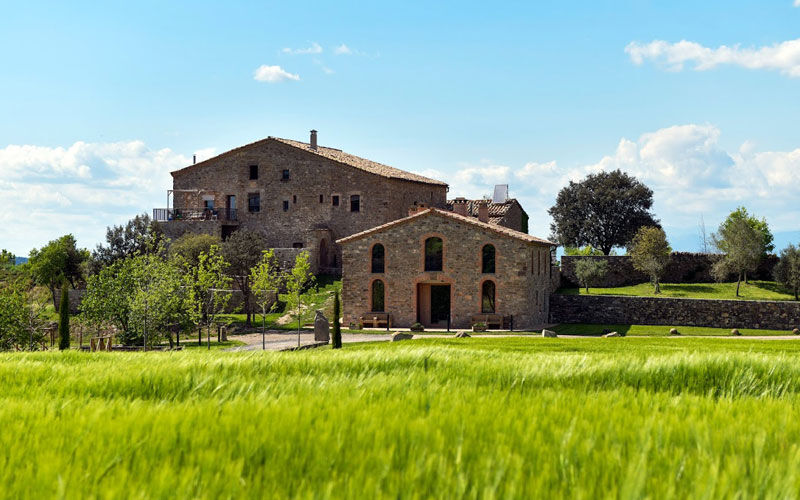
416 208
483 210
314 140
460 206
194 159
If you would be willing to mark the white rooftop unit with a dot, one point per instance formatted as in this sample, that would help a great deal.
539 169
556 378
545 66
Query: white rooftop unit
500 193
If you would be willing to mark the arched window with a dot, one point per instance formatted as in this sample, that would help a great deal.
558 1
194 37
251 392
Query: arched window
378 258
378 294
487 259
487 297
433 254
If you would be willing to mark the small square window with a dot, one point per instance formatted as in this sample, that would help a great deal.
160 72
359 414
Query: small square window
321 199
285 205
294 198
285 175
355 203
335 200
253 202
253 172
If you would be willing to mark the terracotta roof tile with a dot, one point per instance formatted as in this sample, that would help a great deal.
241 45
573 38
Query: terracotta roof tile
446 213
496 210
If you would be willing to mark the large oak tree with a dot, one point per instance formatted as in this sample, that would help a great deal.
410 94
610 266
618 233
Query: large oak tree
605 210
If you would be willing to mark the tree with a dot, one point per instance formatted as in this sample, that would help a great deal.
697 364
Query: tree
742 246
57 261
582 251
107 298
266 280
7 259
297 282
604 210
12 303
63 319
650 253
140 235
186 250
242 251
787 271
209 287
590 271
758 225
336 336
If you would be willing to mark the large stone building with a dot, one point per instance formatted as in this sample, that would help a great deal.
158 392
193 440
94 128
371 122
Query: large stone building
299 195
438 265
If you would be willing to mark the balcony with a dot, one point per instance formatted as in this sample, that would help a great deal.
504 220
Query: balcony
194 214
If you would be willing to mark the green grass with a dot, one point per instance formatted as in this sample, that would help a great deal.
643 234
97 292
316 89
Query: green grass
755 290
647 330
449 418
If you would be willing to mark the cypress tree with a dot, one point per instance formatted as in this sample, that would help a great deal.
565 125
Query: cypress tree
63 319
336 337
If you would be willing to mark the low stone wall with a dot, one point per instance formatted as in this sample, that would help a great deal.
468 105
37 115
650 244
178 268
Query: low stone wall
599 309
683 268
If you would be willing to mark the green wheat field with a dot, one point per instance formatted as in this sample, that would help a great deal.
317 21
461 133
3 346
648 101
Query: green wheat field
466 418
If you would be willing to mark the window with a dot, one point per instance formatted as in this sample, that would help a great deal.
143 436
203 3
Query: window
378 295
297 245
285 175
487 297
294 198
321 199
208 204
433 254
355 203
335 200
487 259
253 202
285 205
253 172
378 253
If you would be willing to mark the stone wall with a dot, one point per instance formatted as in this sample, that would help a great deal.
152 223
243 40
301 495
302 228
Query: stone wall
615 310
683 268
308 195
522 274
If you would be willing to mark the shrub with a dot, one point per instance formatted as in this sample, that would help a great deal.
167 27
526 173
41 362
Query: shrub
417 327
590 271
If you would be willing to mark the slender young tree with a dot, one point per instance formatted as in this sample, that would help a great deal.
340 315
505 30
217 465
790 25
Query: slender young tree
650 254
266 280
590 271
297 282
336 336
743 248
787 271
63 318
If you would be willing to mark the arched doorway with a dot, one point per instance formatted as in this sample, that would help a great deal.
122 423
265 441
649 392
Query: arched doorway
324 263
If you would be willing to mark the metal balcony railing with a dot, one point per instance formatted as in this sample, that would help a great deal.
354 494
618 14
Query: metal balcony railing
191 214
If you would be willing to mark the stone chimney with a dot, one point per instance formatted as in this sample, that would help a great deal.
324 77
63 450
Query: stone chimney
416 208
460 206
314 140
483 210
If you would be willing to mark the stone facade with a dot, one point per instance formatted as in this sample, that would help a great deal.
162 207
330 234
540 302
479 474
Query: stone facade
304 196
508 214
773 315
683 268
522 277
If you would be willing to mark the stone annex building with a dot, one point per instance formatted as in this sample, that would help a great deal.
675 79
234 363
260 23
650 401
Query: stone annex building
436 265
406 253
299 195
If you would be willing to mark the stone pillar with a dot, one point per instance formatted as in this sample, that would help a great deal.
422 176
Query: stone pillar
321 328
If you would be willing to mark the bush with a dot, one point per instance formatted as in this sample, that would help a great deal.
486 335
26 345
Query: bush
417 327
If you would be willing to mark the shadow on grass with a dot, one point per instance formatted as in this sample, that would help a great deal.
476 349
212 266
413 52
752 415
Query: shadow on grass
585 330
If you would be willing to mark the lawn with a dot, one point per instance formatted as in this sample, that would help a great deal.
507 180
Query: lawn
755 290
449 418
647 330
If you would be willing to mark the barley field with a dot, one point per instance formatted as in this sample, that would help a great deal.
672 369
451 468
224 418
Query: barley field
433 418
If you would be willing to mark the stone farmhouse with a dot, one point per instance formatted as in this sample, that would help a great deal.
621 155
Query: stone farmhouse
299 195
501 210
444 268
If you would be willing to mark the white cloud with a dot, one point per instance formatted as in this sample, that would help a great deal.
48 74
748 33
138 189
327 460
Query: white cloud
273 74
344 50
783 56
80 189
797 3
314 48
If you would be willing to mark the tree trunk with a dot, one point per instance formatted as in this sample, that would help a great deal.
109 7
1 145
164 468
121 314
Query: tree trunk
606 250
658 286
738 284
746 281
587 289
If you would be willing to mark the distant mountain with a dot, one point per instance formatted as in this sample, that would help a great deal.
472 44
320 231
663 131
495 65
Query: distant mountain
20 260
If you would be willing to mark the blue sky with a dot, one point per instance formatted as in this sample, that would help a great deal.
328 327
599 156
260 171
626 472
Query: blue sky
698 99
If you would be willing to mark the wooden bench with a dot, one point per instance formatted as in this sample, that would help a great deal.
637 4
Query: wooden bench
376 320
492 321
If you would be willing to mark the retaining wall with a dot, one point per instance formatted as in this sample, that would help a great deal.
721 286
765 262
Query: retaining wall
682 268
770 315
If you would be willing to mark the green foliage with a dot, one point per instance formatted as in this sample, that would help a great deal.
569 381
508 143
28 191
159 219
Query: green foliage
336 335
582 251
7 259
57 261
139 235
604 211
658 418
266 281
186 250
242 252
758 225
12 307
297 282
743 248
208 286
755 290
63 319
787 271
590 271
650 253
